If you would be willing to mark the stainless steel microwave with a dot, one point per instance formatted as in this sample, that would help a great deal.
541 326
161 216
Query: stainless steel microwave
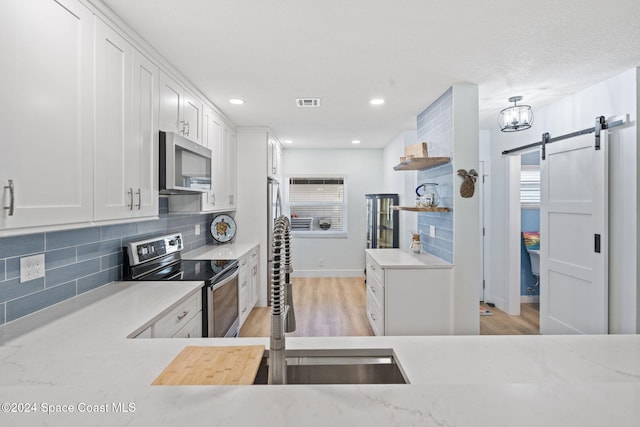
185 167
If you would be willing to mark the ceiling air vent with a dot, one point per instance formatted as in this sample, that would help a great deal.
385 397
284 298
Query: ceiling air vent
307 102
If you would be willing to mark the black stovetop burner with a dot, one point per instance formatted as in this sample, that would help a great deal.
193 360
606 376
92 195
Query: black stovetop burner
209 271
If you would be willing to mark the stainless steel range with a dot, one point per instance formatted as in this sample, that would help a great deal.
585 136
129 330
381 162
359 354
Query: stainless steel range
159 259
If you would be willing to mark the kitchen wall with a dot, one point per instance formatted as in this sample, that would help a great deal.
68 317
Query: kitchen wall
342 256
401 182
615 96
450 127
80 260
435 126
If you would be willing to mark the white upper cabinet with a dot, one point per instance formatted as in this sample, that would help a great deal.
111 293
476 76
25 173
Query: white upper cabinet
126 123
230 166
274 154
212 139
46 113
192 117
142 154
221 140
180 111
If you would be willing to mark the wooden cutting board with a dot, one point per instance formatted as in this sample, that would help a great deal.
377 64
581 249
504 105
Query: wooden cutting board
236 365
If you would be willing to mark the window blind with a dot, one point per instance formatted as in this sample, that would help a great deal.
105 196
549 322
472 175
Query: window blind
530 187
320 201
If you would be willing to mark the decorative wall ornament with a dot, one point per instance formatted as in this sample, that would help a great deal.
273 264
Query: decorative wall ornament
468 184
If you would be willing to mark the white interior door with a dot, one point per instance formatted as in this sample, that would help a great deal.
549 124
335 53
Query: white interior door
573 213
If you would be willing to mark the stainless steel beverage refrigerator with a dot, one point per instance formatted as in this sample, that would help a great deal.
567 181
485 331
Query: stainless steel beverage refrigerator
382 221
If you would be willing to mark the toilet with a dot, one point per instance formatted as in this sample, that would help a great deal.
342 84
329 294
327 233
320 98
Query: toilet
531 241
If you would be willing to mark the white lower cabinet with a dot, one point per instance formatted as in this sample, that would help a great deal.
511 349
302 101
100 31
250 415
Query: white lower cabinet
254 283
247 283
193 328
181 320
408 301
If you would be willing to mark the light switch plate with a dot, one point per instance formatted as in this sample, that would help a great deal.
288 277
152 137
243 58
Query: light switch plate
432 231
31 267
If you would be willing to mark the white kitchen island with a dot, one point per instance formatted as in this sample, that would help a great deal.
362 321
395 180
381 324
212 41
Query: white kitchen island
408 293
75 357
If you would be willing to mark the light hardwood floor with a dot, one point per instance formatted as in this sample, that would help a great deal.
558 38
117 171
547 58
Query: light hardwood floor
324 307
528 323
337 307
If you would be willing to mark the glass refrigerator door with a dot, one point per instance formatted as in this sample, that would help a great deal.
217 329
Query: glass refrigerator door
385 223
369 223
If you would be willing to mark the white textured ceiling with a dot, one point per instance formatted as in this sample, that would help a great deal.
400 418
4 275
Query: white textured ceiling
409 52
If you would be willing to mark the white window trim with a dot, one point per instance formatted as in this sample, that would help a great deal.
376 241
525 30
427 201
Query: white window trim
315 234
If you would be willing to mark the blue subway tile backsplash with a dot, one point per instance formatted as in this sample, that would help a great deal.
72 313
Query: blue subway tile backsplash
37 301
435 126
79 260
21 245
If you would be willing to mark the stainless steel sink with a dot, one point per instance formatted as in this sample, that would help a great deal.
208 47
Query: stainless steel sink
338 366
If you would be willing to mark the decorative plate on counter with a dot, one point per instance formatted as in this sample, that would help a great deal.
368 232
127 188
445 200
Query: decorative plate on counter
223 228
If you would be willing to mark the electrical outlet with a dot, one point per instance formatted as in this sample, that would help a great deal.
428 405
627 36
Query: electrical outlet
197 229
31 267
321 262
432 231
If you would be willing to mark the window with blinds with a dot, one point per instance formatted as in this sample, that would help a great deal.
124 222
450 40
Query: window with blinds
530 187
317 204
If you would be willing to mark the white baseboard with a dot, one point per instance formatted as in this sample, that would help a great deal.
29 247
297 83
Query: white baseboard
328 273
530 299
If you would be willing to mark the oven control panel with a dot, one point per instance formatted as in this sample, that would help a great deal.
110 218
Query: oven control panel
147 250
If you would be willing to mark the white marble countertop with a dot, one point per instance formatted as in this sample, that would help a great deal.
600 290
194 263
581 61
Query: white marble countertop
226 251
84 360
404 258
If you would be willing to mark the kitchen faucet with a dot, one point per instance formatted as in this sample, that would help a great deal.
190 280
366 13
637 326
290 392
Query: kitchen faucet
282 313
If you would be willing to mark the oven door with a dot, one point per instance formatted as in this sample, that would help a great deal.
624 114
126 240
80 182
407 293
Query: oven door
222 307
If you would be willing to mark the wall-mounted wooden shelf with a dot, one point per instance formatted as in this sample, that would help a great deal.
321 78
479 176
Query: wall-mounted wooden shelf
419 209
419 163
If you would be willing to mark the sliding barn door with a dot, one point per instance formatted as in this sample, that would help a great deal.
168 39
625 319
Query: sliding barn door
574 237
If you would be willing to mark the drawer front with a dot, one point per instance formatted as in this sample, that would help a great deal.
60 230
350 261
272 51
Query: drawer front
178 317
375 314
374 269
243 261
375 288
193 328
243 304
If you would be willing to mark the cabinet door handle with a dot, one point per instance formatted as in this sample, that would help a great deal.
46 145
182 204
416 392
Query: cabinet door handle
130 193
12 198
183 315
188 128
139 199
372 290
182 123
373 317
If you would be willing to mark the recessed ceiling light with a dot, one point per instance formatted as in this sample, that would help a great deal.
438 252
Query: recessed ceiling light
288 141
376 101
355 141
237 101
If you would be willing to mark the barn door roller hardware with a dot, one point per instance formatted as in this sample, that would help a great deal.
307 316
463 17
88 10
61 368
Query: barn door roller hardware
601 123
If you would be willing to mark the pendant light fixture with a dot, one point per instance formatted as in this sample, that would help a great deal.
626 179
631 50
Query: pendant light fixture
518 117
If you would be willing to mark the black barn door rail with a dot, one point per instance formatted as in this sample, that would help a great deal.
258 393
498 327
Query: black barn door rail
601 123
